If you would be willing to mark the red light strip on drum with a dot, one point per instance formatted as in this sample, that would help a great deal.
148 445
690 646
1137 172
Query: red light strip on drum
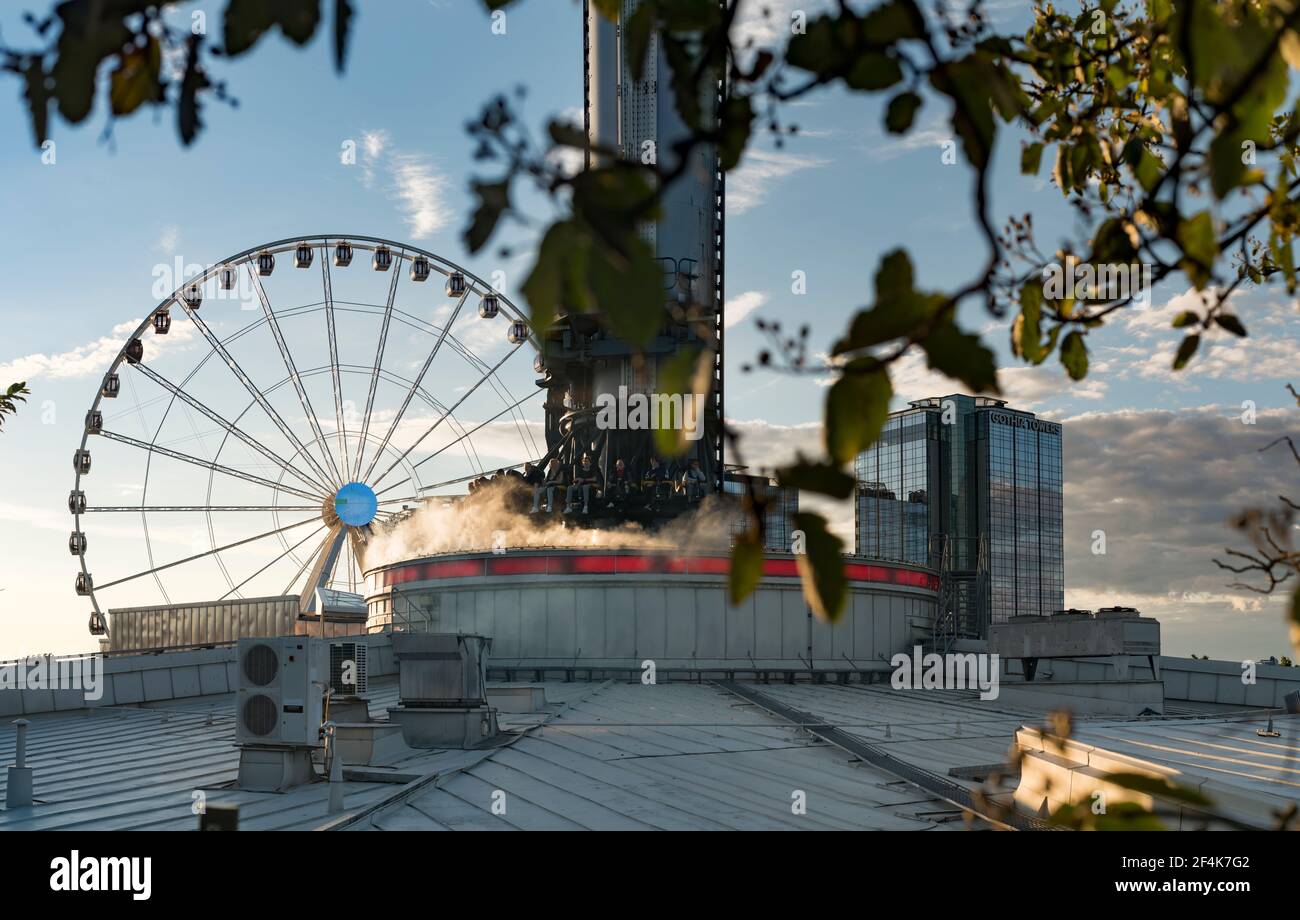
633 564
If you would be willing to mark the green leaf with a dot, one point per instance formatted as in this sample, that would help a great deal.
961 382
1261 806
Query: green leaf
193 82
342 23
688 372
493 201
637 32
1231 323
873 71
248 20
549 286
1185 351
1031 158
245 22
734 129
899 310
1074 356
1157 786
628 289
746 567
1026 334
856 408
38 99
135 80
821 567
901 112
822 478
961 356
1185 319
1196 237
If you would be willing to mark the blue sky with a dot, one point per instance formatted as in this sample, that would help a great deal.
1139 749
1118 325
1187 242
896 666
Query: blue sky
82 239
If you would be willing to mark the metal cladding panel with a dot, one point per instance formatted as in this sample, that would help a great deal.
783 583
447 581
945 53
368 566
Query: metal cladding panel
740 629
651 629
560 623
466 611
483 606
794 625
767 624
625 607
711 623
506 623
590 617
679 622
823 646
620 628
880 629
201 624
532 627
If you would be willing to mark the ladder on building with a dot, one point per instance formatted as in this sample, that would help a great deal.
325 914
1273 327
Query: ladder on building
963 595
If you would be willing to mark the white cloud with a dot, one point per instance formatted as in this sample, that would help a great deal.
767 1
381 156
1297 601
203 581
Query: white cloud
419 187
1023 386
422 190
169 239
90 359
748 185
768 24
929 136
740 306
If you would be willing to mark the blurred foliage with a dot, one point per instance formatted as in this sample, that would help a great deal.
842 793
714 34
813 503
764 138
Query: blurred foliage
1274 559
152 54
10 398
1165 126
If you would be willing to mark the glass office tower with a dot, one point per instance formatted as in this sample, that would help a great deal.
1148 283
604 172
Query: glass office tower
980 476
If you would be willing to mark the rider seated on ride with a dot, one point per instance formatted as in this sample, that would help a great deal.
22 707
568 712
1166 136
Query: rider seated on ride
621 483
555 478
694 481
586 480
655 480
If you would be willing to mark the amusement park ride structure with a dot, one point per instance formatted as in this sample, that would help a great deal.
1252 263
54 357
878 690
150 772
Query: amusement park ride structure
332 470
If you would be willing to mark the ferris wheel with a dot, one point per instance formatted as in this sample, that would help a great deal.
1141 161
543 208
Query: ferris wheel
278 407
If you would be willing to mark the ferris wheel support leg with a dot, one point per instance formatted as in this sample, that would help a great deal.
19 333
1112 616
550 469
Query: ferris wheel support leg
322 571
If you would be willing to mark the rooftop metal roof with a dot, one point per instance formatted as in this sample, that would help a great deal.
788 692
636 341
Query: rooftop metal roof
600 756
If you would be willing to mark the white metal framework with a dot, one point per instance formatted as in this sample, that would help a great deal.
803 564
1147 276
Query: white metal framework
303 448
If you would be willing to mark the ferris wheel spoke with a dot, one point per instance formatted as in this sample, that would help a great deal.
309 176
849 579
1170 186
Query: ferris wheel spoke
253 391
311 557
415 385
206 464
374 376
203 555
273 562
160 508
340 423
231 428
457 441
444 416
303 399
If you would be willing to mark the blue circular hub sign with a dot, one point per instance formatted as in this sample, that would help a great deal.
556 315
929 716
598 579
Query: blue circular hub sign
356 504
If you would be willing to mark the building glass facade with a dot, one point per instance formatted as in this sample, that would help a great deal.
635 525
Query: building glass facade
778 520
982 478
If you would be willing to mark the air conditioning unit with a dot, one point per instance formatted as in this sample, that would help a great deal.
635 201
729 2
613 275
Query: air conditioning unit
281 691
348 670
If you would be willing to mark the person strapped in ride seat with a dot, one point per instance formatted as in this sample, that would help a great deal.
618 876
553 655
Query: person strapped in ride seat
586 480
655 481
